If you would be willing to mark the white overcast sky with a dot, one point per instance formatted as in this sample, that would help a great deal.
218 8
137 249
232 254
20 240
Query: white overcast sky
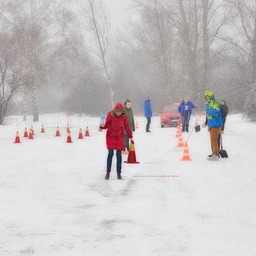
119 11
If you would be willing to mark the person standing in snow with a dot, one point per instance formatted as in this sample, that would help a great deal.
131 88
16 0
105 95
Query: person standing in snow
116 123
148 113
214 122
224 113
185 109
129 113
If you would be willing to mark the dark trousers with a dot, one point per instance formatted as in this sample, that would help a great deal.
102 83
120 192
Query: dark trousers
223 123
185 121
118 160
148 123
126 142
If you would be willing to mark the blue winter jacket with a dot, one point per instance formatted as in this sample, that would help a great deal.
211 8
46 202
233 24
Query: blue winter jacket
214 118
181 108
147 108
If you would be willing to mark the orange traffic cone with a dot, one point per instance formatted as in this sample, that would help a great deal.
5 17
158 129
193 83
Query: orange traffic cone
80 135
132 156
87 132
32 130
68 129
42 129
31 137
186 156
69 140
180 127
178 131
17 138
57 132
180 142
25 133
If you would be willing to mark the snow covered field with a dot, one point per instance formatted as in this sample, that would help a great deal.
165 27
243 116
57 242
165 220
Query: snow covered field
54 200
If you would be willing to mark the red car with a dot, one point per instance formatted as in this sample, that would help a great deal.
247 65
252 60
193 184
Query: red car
170 115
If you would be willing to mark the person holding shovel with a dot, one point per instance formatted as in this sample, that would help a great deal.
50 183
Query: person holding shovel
214 122
185 109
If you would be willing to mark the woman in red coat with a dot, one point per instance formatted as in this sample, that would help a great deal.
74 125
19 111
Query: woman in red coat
115 124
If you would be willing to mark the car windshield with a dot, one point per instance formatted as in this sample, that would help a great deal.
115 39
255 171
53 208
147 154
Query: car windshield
168 109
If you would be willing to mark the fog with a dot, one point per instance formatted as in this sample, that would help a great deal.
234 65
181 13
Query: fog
84 56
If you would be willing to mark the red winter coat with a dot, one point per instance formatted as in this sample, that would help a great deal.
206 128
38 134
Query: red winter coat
115 126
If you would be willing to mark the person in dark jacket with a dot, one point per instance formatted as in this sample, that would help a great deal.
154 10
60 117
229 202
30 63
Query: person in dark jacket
224 113
185 109
214 122
116 123
148 113
129 113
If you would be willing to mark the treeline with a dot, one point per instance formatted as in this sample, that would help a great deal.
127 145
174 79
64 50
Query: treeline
60 55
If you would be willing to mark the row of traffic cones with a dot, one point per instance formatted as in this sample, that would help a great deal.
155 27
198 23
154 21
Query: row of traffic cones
131 159
131 155
26 134
185 155
80 134
69 139
31 134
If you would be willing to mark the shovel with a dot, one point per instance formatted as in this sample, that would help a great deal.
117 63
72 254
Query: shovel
223 153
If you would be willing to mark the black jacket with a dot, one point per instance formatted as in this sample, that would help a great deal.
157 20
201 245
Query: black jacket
224 110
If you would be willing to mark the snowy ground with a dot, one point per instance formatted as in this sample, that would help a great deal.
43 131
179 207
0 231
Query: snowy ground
54 200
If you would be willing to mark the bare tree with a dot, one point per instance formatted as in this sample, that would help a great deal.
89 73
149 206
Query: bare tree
98 24
247 14
154 40
215 16
185 17
33 24
12 76
244 50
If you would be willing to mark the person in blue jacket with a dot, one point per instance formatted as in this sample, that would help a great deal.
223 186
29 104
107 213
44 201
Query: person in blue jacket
148 113
185 109
214 122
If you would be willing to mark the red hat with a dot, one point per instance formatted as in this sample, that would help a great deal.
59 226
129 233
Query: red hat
119 106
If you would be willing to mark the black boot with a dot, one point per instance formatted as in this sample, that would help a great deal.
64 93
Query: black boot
119 176
107 175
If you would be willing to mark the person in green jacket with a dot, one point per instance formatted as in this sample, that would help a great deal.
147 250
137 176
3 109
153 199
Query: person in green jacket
129 113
